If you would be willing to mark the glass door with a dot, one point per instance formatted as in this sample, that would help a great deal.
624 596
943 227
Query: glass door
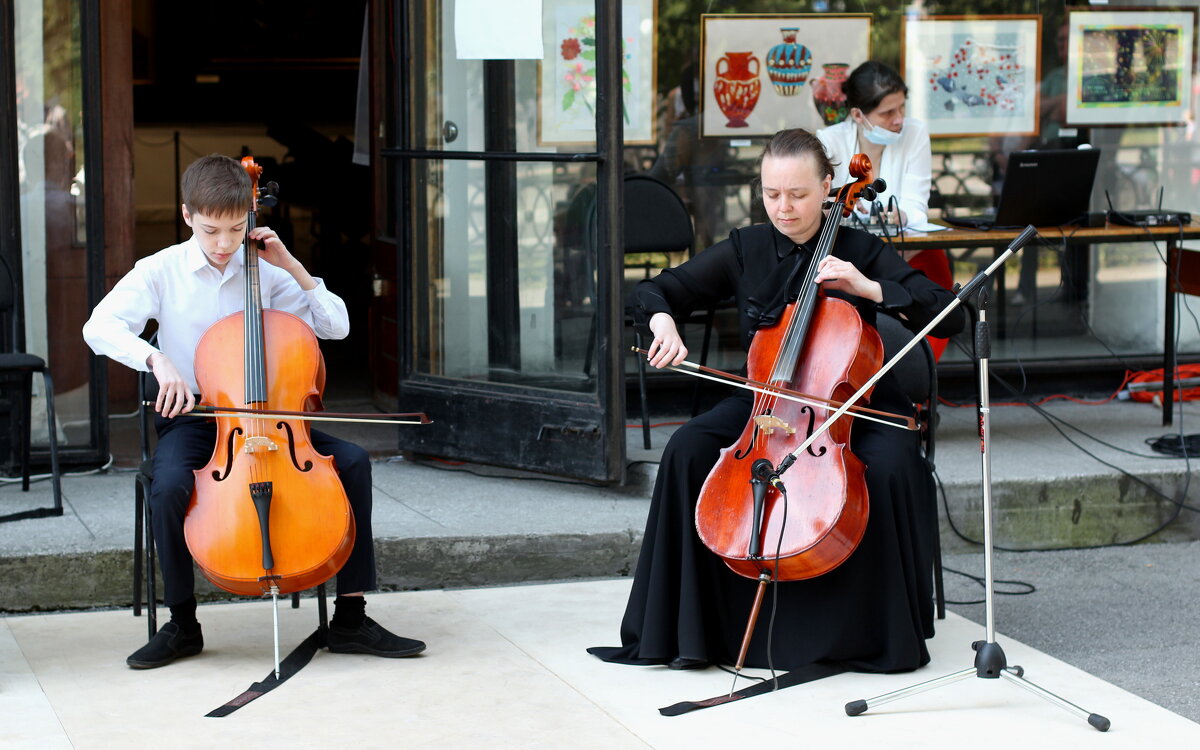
508 316
51 209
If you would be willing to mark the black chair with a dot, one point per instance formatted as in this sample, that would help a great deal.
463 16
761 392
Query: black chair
16 373
917 375
143 534
656 221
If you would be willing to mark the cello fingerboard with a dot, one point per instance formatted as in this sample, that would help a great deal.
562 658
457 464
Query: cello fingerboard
255 354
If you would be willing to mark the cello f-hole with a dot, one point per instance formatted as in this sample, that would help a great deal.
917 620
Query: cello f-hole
812 422
292 448
740 455
218 476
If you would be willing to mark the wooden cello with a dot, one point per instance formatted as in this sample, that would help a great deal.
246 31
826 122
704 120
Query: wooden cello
819 346
268 513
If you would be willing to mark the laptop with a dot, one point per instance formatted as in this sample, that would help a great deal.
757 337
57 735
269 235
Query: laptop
1044 188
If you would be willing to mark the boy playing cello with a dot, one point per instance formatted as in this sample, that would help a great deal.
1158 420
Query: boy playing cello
186 288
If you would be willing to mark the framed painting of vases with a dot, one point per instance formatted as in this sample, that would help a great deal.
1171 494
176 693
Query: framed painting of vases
763 73
973 75
567 72
1130 66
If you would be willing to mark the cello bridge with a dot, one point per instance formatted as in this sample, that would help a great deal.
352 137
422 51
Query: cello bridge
256 443
768 423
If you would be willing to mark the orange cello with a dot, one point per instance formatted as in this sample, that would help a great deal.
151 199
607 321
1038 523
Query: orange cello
268 514
819 346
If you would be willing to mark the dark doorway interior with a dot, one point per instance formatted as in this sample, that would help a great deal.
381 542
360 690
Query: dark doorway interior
279 80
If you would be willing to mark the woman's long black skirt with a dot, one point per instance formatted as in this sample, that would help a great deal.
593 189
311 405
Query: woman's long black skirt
872 613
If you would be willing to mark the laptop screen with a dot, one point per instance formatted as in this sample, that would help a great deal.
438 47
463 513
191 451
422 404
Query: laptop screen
1047 188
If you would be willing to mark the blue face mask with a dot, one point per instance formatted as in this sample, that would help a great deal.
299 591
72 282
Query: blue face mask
879 136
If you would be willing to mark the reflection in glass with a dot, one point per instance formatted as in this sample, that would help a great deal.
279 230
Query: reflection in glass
553 286
50 173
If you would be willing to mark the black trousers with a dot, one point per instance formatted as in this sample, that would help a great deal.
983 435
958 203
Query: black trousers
185 444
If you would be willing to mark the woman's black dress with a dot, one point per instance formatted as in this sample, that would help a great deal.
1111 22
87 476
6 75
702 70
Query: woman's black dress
873 612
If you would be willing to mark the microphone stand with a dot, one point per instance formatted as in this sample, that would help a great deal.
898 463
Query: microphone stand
990 661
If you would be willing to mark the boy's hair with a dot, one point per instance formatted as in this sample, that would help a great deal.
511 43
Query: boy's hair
216 185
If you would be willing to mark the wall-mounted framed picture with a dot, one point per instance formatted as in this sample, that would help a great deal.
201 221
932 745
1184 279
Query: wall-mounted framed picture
763 73
973 75
567 73
1130 66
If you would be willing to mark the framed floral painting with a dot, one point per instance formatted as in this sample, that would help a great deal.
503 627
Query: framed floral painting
761 73
567 72
973 75
1130 66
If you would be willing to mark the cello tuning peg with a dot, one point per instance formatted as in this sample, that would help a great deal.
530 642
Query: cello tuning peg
879 185
868 194
268 194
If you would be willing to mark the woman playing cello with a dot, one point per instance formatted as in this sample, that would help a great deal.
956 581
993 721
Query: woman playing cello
187 288
873 612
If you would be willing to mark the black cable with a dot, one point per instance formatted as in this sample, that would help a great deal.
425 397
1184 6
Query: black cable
1055 418
775 589
1052 297
730 670
1176 446
894 204
1179 505
1025 589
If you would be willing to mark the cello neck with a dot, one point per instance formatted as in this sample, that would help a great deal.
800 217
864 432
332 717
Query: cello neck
255 342
792 346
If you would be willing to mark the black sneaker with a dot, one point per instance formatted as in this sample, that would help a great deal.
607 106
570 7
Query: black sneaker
167 645
372 638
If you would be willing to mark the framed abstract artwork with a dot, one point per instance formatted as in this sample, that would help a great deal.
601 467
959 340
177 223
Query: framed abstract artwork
764 73
1130 66
567 72
973 75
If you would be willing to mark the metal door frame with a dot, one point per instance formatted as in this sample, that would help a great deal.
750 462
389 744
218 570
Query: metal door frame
608 158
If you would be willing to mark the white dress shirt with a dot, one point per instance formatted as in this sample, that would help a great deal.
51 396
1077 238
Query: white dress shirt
180 289
905 167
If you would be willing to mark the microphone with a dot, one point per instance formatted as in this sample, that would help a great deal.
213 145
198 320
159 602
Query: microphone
764 470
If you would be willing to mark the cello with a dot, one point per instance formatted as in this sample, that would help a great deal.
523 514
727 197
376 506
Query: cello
268 514
820 346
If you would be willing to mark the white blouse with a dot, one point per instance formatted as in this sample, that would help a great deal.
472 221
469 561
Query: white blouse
905 164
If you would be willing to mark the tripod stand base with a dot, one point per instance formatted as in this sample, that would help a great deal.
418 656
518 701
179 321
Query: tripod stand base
990 664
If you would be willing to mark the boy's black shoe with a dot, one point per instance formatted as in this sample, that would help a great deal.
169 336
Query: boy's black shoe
167 645
372 638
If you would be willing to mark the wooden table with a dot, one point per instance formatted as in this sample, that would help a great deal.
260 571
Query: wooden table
1183 273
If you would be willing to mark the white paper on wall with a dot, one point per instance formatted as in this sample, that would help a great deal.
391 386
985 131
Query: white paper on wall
488 30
